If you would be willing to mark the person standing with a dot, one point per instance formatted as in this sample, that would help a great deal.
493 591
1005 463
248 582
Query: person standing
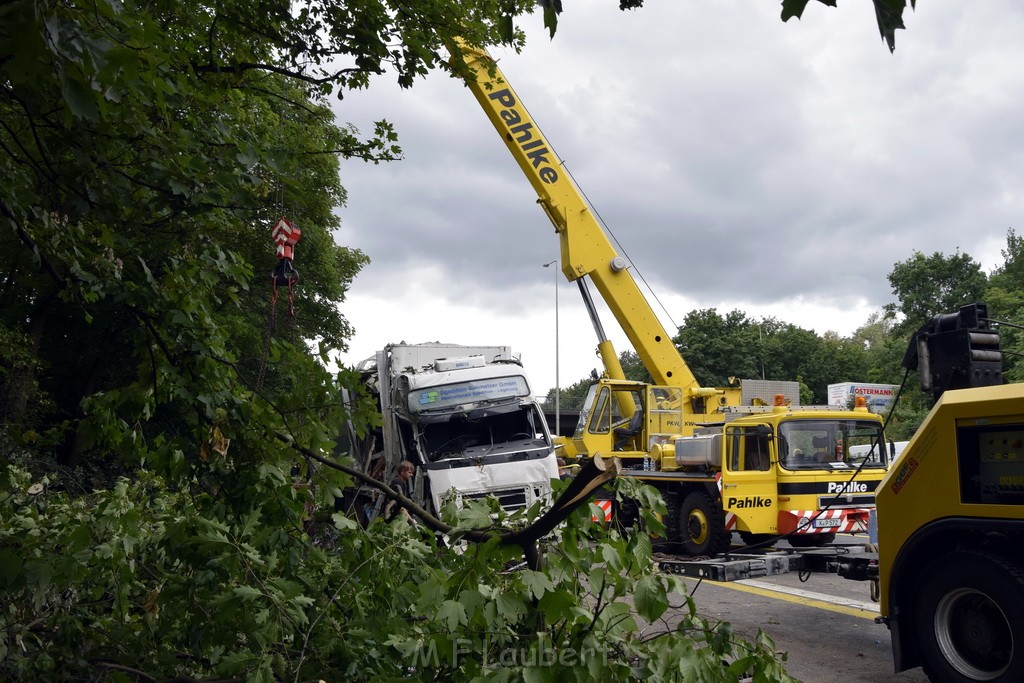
402 483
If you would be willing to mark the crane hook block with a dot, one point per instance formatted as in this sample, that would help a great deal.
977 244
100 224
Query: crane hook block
285 234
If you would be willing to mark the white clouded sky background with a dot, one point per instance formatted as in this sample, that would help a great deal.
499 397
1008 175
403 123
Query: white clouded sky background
741 162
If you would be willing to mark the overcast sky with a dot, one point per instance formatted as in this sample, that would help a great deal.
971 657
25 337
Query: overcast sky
741 162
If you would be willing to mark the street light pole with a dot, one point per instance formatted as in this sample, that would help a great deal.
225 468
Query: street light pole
558 412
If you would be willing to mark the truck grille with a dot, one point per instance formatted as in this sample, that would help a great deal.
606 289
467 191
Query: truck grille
509 499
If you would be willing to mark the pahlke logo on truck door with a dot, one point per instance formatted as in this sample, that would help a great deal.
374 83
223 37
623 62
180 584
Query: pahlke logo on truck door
749 502
525 135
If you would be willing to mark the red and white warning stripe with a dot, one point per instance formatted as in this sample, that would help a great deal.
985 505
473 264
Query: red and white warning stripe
730 518
730 521
605 505
804 521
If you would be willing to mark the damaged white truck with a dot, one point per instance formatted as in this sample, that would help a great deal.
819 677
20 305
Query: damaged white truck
466 417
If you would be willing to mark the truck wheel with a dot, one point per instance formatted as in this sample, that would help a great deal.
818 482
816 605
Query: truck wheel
811 540
702 525
968 619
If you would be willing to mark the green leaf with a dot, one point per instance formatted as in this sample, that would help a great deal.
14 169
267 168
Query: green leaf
510 606
617 619
38 573
793 8
741 666
506 28
10 566
474 515
452 614
247 593
650 598
536 583
80 98
431 593
612 556
557 604
643 550
342 522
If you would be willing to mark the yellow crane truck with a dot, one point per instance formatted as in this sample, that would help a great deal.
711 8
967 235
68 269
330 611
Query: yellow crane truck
723 458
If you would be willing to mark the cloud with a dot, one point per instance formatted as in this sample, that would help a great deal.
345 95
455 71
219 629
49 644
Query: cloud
739 161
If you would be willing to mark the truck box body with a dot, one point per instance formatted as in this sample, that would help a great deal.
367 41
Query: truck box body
878 396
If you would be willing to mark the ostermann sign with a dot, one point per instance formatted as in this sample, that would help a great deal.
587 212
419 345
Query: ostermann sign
878 396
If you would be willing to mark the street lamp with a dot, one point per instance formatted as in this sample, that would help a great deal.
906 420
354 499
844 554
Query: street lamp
558 413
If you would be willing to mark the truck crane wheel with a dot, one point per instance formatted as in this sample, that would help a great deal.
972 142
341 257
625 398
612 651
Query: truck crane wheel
811 540
968 619
702 525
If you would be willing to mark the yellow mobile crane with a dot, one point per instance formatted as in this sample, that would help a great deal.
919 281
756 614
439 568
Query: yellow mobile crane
722 461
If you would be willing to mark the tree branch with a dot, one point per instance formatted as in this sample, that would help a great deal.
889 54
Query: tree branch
242 67
592 476
26 238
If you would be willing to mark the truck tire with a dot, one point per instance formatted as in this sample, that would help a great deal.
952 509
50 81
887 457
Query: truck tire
702 526
968 619
811 540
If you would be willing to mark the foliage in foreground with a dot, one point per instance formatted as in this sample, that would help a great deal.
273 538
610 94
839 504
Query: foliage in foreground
149 580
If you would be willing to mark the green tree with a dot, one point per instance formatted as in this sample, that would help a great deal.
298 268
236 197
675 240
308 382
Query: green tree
872 337
1005 299
718 347
832 359
570 397
925 286
633 368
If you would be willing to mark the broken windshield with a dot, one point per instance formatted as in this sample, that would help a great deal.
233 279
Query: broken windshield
486 430
830 444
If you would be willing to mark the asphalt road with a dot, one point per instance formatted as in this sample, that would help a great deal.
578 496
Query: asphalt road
825 625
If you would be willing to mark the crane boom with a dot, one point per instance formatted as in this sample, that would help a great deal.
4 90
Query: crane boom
585 247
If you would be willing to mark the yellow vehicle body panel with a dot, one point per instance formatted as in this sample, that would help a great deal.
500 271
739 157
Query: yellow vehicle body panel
926 482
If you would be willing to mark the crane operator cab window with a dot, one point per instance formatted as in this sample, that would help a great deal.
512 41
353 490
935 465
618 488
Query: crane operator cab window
617 413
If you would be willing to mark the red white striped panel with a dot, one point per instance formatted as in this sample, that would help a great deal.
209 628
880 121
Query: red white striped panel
850 521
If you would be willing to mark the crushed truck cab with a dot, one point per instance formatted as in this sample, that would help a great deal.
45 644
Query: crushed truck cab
465 417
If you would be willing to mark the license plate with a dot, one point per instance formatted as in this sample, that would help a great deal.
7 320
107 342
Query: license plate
827 523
